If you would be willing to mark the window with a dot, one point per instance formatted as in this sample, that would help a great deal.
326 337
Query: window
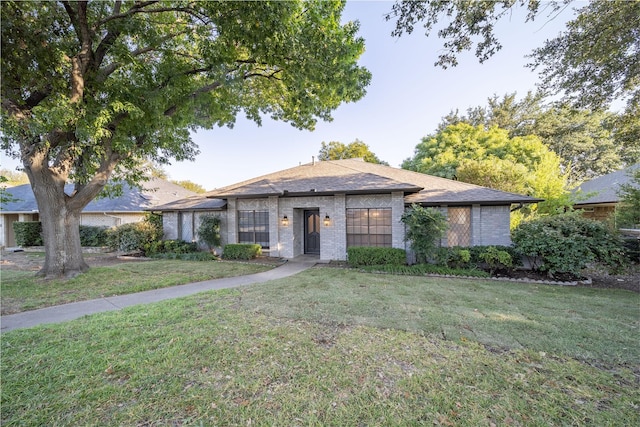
369 227
253 227
459 231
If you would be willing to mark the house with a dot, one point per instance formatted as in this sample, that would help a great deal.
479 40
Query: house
322 208
599 197
107 212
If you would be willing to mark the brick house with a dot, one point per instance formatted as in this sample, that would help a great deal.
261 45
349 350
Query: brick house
321 208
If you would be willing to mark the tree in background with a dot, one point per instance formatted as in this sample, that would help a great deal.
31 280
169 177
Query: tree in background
192 186
92 88
583 139
357 149
13 178
489 157
593 64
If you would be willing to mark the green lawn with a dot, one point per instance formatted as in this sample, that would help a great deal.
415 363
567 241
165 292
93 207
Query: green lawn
337 347
21 291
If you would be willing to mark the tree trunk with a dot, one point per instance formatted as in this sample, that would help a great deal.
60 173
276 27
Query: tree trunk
61 232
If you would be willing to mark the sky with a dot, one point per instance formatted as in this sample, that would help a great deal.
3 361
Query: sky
407 98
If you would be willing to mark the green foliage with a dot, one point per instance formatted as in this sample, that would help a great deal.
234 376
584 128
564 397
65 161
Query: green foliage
583 139
628 211
241 251
170 247
594 62
357 149
92 89
454 257
490 157
133 237
192 186
209 231
358 256
28 233
423 269
567 243
424 229
477 251
93 236
496 259
190 256
154 222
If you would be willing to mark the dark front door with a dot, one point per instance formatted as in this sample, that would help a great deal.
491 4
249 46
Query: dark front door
312 232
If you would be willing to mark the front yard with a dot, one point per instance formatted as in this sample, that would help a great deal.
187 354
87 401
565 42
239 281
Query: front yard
337 347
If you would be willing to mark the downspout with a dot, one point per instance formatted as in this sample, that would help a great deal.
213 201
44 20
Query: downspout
520 206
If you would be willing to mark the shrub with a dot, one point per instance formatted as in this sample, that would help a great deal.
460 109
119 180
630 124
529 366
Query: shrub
93 236
28 233
566 243
209 231
371 255
422 269
454 257
170 247
496 259
154 221
243 251
191 256
425 228
477 254
132 237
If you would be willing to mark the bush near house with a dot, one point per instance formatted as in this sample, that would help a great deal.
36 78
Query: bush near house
28 233
241 251
170 246
92 236
567 243
359 256
131 237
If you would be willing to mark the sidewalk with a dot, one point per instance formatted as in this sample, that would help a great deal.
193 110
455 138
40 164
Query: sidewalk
74 310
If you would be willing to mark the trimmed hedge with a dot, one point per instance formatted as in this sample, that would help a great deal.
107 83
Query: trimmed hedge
28 233
170 247
191 256
244 251
358 256
93 236
424 269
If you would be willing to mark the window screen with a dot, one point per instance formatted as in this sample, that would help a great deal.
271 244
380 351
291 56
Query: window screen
459 231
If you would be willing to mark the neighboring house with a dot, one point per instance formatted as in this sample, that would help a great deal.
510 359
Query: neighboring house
599 196
322 208
108 212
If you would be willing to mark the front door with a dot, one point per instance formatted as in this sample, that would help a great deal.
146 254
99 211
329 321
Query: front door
312 232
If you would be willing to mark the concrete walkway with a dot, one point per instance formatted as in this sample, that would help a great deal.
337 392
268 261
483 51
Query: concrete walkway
74 310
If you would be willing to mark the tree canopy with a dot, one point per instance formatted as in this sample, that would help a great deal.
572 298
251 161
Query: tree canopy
91 88
585 140
357 149
491 158
593 64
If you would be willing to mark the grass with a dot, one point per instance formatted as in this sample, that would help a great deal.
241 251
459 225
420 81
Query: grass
21 291
337 347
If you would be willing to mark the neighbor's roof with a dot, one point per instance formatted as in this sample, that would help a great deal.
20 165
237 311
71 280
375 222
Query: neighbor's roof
354 176
154 192
193 203
604 189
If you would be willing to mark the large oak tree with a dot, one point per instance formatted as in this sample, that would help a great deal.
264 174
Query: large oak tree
91 88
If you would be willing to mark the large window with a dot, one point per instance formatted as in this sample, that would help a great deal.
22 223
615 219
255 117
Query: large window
253 227
369 227
459 231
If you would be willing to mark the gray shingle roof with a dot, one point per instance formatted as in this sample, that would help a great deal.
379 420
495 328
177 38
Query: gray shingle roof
354 176
605 187
154 192
193 203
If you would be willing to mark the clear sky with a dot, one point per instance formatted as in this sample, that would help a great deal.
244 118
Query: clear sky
405 101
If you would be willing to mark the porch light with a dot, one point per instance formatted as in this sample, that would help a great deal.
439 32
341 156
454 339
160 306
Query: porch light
327 220
285 221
